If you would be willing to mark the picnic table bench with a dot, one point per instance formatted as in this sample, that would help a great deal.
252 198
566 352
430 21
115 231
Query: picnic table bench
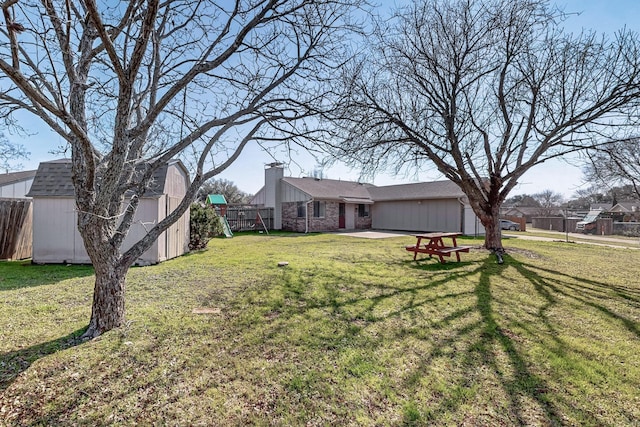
435 246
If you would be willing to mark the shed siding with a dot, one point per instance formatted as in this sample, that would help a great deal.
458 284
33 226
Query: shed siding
176 238
56 238
176 182
59 241
418 215
55 232
146 217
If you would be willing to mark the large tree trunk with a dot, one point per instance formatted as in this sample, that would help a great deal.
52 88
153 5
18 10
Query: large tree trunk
490 219
107 311
493 233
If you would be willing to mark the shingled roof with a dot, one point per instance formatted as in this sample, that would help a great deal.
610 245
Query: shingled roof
11 177
416 191
331 189
53 179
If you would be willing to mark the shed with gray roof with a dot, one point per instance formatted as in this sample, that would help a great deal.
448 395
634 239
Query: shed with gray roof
55 235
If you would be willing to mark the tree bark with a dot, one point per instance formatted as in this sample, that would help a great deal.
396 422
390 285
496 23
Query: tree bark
490 219
493 233
107 310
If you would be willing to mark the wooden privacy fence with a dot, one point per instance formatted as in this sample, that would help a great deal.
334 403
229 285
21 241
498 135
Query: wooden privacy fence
16 228
555 223
241 218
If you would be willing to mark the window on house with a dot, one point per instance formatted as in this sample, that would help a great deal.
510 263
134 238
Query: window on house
363 210
318 209
301 210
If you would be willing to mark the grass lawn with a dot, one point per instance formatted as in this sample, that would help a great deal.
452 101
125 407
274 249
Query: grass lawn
351 332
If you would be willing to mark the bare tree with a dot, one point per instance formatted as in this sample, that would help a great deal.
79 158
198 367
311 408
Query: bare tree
549 201
484 90
130 85
9 153
616 163
522 200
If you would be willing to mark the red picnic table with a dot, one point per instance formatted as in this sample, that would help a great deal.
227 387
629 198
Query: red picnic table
435 245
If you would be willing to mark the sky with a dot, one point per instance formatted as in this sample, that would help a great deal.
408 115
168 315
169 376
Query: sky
247 173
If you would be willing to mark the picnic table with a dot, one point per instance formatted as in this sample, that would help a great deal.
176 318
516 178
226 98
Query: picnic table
433 244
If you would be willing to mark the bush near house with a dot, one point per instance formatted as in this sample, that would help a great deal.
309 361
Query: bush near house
204 224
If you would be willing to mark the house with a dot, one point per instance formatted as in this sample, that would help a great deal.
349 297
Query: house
15 185
624 211
55 235
315 204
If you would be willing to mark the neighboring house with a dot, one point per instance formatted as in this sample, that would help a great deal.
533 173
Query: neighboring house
314 204
55 235
15 185
622 211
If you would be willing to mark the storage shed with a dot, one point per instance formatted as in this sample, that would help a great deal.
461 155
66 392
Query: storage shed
55 235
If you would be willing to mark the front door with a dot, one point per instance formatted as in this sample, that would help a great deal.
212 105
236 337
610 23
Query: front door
341 211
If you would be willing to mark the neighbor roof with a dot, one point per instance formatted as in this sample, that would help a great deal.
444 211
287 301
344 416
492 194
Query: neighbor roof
420 190
53 179
331 189
11 177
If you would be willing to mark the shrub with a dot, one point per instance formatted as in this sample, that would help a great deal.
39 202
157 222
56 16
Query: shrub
205 224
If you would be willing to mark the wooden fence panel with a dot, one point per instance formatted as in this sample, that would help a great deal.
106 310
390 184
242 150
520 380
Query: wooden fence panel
242 218
16 228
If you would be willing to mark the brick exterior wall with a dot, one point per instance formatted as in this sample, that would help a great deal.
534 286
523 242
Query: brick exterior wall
290 220
363 223
330 222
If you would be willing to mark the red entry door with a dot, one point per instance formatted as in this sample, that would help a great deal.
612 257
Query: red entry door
341 210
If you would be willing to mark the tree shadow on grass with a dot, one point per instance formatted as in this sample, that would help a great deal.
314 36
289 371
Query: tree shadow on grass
522 382
583 291
15 362
24 274
474 332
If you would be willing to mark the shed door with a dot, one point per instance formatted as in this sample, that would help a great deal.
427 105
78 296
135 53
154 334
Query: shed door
174 235
341 211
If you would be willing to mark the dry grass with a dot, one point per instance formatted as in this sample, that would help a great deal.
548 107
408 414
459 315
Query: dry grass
351 332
